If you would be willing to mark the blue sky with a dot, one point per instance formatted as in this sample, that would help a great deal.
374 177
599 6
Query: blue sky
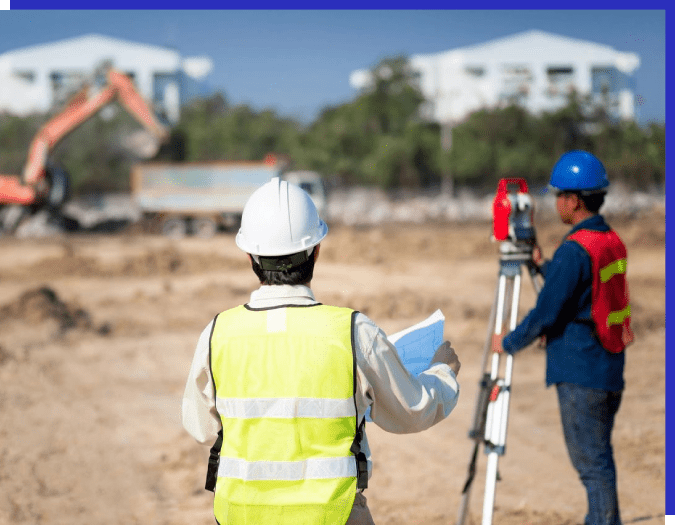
298 61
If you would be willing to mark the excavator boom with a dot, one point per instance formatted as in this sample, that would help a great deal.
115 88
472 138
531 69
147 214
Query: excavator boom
34 184
13 192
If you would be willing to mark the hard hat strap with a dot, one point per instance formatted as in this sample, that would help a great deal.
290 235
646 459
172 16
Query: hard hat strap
587 193
284 262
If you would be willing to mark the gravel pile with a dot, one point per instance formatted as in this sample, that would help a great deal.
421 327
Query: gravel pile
353 207
361 206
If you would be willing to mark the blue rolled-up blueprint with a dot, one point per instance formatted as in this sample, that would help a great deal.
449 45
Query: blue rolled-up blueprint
417 344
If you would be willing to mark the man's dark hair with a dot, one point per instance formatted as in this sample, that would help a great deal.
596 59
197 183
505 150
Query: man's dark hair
593 201
301 274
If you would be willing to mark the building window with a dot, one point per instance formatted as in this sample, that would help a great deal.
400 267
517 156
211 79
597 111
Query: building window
166 95
517 84
65 84
560 80
160 81
604 80
475 71
606 84
26 75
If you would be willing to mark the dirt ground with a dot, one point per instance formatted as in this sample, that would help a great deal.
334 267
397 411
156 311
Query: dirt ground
97 334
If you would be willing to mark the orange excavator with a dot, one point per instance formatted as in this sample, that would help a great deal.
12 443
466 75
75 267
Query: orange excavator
42 185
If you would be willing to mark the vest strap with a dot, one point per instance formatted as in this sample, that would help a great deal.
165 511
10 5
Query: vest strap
361 460
214 459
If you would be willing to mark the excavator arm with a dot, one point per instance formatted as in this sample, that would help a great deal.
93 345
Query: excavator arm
13 192
34 185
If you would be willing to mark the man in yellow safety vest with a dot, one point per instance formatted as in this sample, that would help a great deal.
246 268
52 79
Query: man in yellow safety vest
283 383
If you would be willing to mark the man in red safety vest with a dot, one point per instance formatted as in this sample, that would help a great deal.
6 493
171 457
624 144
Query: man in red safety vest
584 314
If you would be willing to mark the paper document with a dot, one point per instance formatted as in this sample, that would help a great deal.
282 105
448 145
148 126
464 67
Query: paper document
417 344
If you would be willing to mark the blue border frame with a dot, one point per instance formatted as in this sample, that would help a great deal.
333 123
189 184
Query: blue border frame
306 4
429 4
670 298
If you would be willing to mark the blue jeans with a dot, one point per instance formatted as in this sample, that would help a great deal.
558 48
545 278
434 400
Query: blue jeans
587 419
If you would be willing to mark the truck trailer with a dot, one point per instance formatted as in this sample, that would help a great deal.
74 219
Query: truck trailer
204 197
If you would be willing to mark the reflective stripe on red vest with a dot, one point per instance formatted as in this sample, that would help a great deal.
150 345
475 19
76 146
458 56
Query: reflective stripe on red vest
610 308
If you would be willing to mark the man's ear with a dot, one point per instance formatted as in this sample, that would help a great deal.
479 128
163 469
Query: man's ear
577 202
316 252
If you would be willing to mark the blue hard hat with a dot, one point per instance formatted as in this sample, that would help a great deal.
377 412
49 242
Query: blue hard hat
579 171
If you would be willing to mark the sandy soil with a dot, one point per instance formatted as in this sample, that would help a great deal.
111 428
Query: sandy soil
97 334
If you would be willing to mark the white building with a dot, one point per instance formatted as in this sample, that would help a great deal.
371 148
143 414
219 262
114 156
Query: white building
41 77
534 69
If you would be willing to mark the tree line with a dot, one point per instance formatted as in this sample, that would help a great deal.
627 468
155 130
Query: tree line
379 139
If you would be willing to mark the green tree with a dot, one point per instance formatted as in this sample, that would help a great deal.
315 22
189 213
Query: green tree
216 131
16 134
378 138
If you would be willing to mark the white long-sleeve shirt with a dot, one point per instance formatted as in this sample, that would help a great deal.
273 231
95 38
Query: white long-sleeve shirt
399 402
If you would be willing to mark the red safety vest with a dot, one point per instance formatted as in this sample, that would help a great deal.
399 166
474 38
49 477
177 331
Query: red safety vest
610 309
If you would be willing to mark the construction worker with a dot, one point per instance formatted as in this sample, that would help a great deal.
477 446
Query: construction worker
583 312
287 380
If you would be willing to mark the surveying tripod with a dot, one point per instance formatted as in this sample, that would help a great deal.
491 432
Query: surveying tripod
492 405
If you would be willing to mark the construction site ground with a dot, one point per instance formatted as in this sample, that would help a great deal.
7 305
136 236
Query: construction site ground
97 334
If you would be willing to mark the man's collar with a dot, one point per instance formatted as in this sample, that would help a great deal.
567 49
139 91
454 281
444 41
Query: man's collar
594 222
287 292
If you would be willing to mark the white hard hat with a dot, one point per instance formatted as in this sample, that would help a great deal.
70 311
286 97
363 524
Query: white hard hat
280 219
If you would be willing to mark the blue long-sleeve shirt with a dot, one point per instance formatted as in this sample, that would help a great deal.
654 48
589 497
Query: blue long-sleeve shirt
563 314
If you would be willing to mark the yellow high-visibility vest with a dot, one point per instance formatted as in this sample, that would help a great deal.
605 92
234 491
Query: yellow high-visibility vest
285 384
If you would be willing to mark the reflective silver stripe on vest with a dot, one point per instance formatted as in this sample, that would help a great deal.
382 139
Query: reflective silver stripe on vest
318 468
285 407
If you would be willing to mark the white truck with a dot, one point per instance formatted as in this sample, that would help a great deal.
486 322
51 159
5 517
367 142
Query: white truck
204 197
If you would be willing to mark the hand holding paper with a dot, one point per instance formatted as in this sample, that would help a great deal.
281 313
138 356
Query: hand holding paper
446 354
421 344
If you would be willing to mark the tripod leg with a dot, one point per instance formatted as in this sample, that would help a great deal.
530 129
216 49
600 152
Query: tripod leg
493 423
508 371
464 505
499 413
492 405
478 428
490 487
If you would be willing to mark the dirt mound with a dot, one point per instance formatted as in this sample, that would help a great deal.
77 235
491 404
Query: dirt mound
170 260
389 245
164 261
403 304
43 304
70 265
